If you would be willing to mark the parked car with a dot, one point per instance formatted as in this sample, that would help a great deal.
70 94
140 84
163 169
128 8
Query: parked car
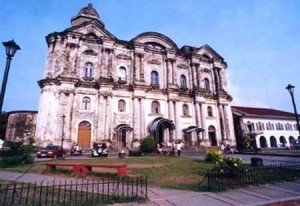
51 151
99 150
296 144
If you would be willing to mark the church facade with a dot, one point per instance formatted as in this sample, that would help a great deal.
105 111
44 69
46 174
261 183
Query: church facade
98 88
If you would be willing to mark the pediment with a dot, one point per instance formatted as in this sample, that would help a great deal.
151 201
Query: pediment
155 40
208 53
92 27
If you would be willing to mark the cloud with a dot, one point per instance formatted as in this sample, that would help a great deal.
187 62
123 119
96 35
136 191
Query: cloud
239 97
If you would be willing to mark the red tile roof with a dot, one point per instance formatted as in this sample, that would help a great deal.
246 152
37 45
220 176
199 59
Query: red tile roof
262 112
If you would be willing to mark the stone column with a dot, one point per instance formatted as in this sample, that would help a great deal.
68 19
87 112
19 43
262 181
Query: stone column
171 110
109 62
96 125
142 117
99 116
136 116
102 121
203 110
100 59
174 79
136 67
141 63
61 130
69 119
197 115
222 122
177 121
169 73
229 117
194 76
197 66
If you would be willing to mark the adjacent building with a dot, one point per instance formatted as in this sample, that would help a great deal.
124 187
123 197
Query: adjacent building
97 87
269 127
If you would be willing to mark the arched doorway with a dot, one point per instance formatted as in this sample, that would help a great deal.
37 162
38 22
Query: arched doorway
84 134
212 136
189 133
162 130
273 141
263 142
291 139
282 141
122 132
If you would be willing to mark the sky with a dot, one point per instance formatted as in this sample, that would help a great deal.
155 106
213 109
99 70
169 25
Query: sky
259 40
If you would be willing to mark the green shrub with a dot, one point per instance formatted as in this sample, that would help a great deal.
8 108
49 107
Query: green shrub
11 161
213 156
229 166
134 153
16 153
148 145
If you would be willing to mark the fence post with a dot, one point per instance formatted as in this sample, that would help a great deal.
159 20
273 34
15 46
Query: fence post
47 193
13 194
41 193
146 187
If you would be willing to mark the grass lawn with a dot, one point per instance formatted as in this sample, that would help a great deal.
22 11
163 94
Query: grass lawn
168 172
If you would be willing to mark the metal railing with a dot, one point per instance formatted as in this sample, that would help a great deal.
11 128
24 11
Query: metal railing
252 175
75 192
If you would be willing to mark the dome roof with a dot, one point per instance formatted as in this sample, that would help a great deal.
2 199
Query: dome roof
89 11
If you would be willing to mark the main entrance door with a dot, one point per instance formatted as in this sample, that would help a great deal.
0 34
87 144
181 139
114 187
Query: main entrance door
84 134
212 135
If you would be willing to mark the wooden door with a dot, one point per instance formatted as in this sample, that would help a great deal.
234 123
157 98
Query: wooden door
84 134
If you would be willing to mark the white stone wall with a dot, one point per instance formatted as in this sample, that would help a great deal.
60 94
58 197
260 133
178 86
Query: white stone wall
64 85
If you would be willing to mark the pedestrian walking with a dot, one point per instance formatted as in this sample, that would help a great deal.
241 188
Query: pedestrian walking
178 148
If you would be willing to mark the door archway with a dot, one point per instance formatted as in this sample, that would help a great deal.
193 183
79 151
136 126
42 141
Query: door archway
282 141
273 141
84 134
212 136
162 130
123 135
263 142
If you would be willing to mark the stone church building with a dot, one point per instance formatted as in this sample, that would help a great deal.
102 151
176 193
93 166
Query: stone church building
98 88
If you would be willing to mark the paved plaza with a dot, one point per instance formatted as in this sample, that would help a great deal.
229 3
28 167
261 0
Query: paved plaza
253 195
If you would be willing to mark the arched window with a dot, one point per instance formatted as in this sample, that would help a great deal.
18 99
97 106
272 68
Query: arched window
88 70
122 106
86 103
185 110
183 82
155 107
154 78
209 111
206 85
122 74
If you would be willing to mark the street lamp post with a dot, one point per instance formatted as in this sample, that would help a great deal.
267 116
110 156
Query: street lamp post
290 88
62 131
11 49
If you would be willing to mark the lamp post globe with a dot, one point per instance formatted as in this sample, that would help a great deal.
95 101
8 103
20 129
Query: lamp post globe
290 89
11 48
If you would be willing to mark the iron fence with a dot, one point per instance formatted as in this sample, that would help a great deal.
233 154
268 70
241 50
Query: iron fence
218 180
75 192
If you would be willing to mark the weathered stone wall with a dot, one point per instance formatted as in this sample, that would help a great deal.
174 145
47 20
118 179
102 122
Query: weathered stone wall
83 64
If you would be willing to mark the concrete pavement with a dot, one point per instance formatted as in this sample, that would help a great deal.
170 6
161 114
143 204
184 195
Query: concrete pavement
253 195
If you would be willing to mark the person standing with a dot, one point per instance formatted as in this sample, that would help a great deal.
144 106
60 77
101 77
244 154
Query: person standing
178 148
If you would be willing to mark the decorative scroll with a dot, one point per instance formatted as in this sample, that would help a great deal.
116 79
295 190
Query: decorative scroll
154 61
123 56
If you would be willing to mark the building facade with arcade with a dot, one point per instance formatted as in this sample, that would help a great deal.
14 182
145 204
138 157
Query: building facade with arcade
97 87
